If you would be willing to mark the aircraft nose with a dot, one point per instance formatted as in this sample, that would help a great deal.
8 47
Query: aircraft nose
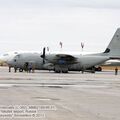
10 62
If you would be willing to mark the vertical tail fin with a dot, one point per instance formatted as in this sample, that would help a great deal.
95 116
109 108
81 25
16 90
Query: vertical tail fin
113 49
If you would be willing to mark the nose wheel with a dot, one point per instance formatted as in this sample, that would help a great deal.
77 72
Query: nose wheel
20 70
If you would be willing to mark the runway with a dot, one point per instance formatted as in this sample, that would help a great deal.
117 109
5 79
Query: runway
45 95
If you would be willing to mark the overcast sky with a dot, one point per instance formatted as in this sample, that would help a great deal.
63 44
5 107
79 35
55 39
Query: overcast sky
32 24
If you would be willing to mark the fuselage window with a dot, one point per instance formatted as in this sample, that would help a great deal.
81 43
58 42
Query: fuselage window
14 60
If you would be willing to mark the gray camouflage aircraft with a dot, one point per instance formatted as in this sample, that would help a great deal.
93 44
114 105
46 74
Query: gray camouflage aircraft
66 62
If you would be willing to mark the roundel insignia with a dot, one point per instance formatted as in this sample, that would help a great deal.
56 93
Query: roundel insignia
107 50
117 35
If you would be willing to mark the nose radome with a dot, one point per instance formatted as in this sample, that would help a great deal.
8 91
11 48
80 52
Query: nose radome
10 62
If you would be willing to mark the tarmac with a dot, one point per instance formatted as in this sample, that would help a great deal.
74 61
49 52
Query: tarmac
45 95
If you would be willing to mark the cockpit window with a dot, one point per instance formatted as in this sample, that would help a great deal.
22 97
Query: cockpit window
15 52
5 54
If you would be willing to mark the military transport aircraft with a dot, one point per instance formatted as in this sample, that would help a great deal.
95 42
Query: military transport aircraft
67 62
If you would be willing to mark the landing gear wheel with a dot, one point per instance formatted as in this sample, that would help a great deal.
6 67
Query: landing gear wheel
20 70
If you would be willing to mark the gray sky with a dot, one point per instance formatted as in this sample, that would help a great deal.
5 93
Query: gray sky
32 24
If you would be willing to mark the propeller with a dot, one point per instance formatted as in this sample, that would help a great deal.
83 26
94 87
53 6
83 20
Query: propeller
43 55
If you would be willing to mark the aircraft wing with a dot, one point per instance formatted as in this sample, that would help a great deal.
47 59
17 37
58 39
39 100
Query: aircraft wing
62 59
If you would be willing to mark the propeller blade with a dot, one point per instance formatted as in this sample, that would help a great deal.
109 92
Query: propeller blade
43 55
44 52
